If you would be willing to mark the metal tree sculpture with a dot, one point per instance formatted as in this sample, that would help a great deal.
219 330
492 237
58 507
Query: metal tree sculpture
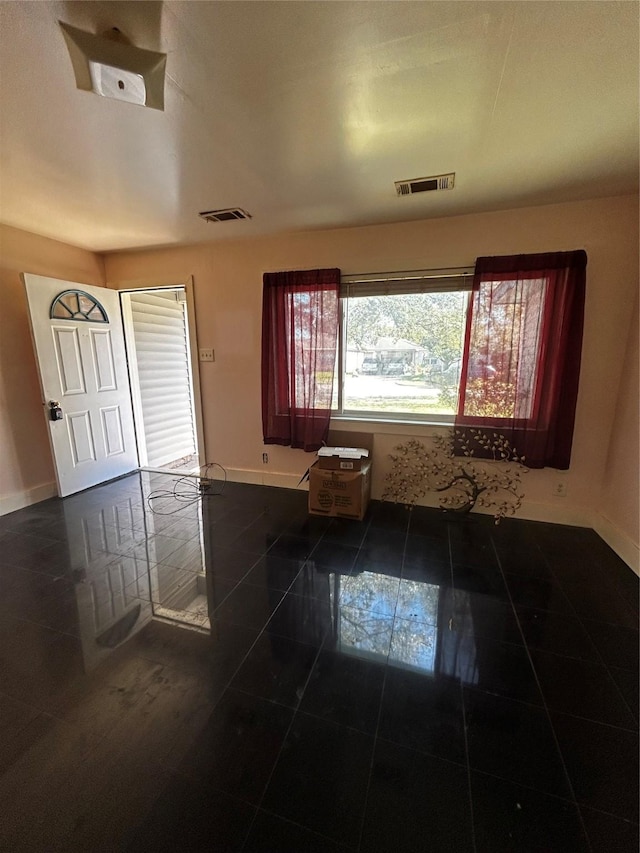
492 481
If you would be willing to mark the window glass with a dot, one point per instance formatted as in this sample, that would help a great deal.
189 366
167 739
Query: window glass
77 305
403 353
60 311
85 303
505 349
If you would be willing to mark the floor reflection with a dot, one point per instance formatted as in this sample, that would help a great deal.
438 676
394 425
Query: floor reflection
369 681
135 562
249 565
406 623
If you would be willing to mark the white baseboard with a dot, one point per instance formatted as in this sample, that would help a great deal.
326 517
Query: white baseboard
619 541
285 481
263 478
556 512
18 500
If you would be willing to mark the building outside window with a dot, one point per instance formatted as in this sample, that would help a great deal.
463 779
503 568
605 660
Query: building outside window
401 345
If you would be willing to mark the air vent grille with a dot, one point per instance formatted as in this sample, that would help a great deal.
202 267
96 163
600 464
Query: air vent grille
425 185
225 215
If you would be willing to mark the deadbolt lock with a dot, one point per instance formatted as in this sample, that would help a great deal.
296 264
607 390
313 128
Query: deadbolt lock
55 411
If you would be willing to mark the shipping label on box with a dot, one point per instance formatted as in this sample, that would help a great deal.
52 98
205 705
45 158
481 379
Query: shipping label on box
343 494
342 458
335 463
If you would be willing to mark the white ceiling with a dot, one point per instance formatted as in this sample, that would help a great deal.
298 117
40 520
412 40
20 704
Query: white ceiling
305 113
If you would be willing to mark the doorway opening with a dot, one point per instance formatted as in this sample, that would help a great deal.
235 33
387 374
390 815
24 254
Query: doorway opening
159 330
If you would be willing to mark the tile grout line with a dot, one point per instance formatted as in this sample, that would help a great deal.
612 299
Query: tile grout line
227 685
541 707
382 692
295 710
580 621
341 846
284 740
544 701
464 719
597 650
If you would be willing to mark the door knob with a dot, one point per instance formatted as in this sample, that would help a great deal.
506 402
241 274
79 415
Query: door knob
55 411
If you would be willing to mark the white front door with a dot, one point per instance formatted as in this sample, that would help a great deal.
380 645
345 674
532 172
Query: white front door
79 345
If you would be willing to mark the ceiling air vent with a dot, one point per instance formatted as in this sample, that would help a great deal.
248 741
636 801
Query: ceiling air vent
425 185
224 215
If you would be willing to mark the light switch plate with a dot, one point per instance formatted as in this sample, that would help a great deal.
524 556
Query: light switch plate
206 355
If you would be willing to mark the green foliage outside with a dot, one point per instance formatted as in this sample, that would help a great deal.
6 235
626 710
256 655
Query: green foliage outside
324 377
489 398
434 321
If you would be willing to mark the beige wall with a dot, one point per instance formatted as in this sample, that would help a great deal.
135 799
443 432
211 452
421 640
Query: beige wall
619 504
26 467
228 287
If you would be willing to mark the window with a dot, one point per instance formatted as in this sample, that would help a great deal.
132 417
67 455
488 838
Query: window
299 337
501 379
402 340
522 352
493 348
77 305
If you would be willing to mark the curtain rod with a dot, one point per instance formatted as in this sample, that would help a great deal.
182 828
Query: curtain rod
394 275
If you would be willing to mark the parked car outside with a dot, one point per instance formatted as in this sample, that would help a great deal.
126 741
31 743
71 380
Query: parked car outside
369 366
396 368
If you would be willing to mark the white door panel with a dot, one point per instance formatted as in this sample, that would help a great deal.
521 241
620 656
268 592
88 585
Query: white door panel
82 365
81 438
103 359
68 360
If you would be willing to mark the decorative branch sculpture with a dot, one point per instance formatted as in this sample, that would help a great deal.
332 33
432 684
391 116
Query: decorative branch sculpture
492 482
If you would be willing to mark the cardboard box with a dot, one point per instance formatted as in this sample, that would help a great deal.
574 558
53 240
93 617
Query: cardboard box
342 458
339 494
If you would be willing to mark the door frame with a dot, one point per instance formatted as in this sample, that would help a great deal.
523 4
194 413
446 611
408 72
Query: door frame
164 284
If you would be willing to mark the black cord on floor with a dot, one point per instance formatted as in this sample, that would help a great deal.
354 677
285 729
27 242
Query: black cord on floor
188 490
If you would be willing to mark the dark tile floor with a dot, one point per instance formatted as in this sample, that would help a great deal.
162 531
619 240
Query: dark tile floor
246 677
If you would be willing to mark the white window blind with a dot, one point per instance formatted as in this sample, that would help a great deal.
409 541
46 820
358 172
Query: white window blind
411 281
162 351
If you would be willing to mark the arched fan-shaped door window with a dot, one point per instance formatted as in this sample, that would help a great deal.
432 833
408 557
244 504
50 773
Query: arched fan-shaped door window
77 305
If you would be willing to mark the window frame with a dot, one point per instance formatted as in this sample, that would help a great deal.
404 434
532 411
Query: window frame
452 279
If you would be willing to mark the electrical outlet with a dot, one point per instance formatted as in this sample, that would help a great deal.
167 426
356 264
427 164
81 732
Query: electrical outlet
206 355
560 489
265 458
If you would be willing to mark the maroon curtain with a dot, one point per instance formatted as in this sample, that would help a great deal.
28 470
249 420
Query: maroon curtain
521 360
299 342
